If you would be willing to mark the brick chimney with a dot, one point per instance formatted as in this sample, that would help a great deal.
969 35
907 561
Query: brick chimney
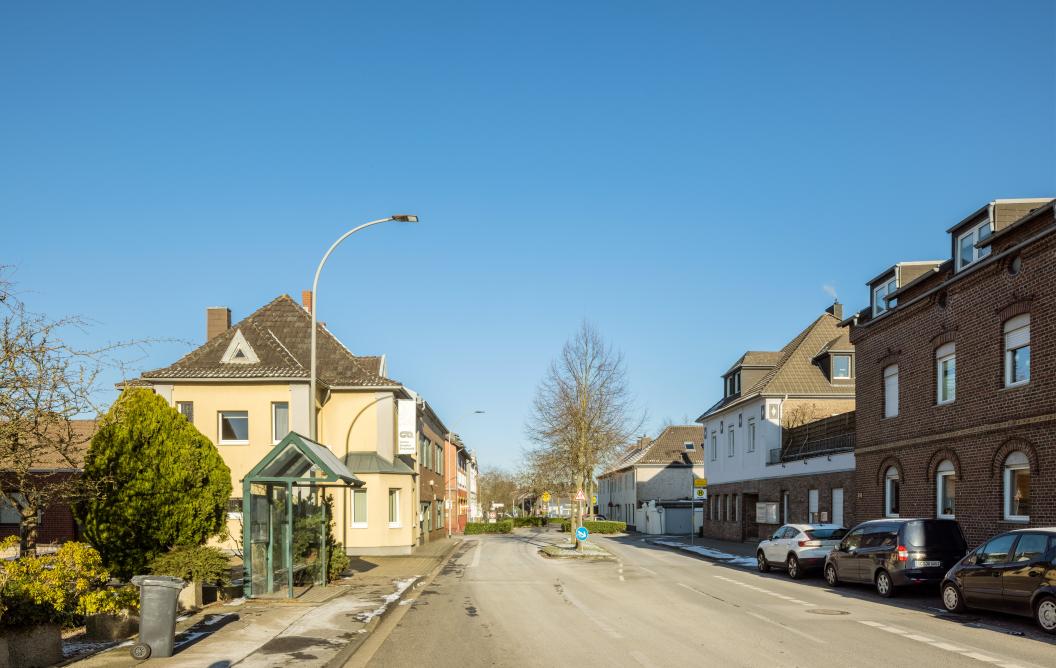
217 321
306 300
836 309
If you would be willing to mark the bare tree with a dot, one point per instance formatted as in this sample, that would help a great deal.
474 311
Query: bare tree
582 412
496 485
45 384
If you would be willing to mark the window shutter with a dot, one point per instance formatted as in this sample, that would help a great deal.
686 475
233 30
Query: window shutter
1017 332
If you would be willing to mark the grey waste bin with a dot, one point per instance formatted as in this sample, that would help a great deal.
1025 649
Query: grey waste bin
157 614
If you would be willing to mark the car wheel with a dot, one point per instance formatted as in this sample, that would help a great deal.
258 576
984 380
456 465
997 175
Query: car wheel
951 598
1045 613
830 575
884 586
794 570
761 563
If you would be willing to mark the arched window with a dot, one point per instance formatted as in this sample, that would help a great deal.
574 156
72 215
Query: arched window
892 487
1017 351
946 487
1017 487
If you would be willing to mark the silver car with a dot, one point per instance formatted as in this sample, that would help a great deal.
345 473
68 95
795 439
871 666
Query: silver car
798 548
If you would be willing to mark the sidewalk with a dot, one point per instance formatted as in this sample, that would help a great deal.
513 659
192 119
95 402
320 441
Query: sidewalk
261 633
724 551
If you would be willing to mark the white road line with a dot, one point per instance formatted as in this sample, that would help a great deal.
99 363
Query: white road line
786 627
963 651
476 555
949 648
920 638
868 623
766 591
981 657
622 579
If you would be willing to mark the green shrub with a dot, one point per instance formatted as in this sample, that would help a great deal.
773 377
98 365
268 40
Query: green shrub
502 526
207 565
166 484
530 521
598 526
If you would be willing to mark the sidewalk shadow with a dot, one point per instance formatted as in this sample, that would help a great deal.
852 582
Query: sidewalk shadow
201 630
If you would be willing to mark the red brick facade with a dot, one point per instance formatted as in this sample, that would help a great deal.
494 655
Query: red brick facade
57 524
987 421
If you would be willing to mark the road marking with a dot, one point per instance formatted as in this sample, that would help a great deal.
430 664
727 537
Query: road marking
920 638
937 644
622 579
590 615
786 627
476 555
766 591
981 657
949 648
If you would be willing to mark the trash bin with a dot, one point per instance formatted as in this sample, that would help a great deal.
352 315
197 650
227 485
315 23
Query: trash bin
157 615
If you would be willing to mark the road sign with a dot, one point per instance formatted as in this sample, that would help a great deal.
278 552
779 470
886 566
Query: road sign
594 499
580 496
546 497
700 482
582 533
700 493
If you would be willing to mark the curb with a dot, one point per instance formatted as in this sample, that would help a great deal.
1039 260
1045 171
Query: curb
691 553
346 653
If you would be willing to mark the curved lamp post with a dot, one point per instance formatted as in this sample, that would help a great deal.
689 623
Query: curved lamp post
313 422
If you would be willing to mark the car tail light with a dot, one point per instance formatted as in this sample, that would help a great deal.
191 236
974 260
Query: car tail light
902 554
810 543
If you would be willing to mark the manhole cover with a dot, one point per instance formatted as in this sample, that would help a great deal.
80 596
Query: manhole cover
823 611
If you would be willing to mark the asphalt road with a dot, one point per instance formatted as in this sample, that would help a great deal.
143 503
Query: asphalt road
499 603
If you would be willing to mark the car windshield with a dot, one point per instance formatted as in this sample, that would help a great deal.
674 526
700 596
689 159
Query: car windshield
826 534
935 533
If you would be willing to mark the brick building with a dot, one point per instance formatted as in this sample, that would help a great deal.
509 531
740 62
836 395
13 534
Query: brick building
759 477
956 383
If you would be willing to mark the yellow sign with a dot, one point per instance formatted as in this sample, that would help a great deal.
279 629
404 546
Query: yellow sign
594 499
700 482
700 493
546 497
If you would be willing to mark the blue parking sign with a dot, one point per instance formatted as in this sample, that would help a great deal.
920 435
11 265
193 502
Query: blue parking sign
582 533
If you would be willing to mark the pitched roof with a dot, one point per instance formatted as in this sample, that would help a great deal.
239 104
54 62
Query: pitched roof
372 462
669 448
756 358
71 451
278 336
630 456
796 373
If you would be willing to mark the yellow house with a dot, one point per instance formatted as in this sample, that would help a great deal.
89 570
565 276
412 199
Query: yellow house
246 388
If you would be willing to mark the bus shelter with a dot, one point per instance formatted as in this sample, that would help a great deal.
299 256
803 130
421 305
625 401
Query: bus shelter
285 518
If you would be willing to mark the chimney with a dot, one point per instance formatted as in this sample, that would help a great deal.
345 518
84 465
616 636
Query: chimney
306 300
217 321
836 309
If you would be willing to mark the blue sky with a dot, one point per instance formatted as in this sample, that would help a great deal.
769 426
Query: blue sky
685 176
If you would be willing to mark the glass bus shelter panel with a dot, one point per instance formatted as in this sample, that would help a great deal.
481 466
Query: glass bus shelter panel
279 522
290 463
258 551
309 535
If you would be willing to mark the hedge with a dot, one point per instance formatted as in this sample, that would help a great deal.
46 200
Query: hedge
598 526
504 526
530 521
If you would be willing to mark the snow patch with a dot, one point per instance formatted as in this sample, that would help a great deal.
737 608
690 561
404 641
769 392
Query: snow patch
710 553
401 586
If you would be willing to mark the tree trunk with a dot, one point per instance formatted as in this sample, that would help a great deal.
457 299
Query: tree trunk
28 532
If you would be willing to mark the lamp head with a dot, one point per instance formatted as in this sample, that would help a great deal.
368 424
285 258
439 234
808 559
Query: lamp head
405 218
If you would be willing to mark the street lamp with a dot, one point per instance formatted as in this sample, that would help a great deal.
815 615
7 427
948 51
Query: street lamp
402 218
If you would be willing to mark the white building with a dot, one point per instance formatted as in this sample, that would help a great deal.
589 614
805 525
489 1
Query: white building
475 513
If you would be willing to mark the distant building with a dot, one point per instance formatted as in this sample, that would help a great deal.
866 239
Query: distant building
759 477
957 379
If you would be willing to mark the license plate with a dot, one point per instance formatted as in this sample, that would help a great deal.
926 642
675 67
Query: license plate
928 564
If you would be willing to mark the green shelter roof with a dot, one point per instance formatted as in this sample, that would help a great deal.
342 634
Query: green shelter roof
372 462
299 459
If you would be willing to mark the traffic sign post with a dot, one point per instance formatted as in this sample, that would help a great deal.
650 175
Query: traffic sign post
582 533
700 491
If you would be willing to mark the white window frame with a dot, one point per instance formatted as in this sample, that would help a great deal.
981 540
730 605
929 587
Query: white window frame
220 429
352 515
880 293
945 354
179 407
1016 461
275 438
891 475
849 372
944 470
751 435
890 371
731 443
394 524
1016 337
977 253
714 446
813 505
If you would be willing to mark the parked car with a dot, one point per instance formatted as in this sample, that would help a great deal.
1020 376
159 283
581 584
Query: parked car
1013 572
892 553
798 548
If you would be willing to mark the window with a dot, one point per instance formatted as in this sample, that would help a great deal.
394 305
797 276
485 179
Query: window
751 435
731 443
394 509
439 514
1017 351
996 551
186 409
841 366
1031 546
967 253
234 508
1017 487
946 490
9 513
234 427
891 391
729 502
880 293
737 507
812 505
892 488
439 459
853 540
280 421
946 373
714 446
359 509
427 517
688 445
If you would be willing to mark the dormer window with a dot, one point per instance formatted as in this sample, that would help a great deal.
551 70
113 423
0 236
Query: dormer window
688 445
880 293
967 253
733 384
841 367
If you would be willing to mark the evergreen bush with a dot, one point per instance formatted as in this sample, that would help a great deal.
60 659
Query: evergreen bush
165 484
504 526
195 563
